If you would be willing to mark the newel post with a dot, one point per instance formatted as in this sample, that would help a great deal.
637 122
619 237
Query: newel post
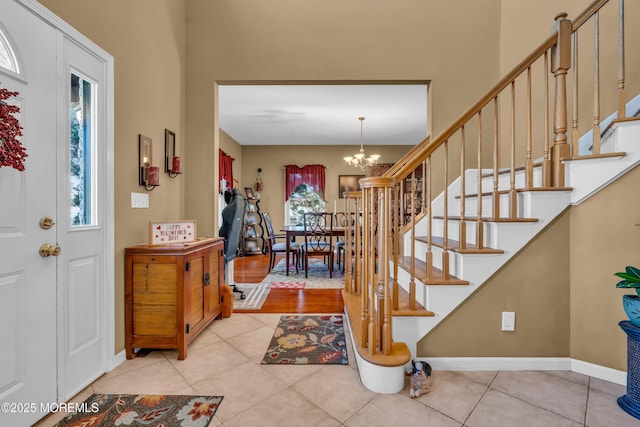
377 249
560 65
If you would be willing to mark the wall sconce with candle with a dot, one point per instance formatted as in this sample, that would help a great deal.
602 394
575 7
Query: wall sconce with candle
173 163
149 176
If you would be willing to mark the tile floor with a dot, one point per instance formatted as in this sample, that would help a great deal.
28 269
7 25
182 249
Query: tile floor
225 360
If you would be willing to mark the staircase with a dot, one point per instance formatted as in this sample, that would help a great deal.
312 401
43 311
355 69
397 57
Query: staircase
458 207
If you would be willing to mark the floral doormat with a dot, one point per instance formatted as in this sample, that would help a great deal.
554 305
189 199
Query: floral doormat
102 410
308 340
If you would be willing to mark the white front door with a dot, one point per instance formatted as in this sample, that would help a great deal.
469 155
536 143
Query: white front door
27 280
53 306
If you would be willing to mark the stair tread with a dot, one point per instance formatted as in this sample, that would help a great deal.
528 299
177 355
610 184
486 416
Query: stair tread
596 156
518 190
404 309
502 171
421 273
488 219
454 245
400 353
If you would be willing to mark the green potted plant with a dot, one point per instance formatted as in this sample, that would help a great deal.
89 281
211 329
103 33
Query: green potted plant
631 303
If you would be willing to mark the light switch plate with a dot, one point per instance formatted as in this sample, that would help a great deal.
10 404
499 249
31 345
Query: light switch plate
508 321
139 200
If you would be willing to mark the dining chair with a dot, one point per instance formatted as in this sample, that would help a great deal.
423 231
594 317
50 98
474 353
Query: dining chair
318 238
276 247
340 221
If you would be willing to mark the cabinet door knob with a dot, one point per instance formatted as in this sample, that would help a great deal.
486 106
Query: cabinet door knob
207 279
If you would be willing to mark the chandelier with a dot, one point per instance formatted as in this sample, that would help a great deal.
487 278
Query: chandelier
359 160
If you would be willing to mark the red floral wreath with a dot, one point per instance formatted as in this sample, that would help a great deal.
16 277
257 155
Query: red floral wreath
12 152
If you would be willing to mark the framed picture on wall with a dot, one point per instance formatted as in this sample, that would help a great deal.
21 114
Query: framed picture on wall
348 183
249 192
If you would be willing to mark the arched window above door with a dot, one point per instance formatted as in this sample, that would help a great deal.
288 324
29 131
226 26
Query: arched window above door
8 58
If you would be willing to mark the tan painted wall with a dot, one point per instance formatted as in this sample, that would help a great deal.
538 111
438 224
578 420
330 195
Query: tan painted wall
360 40
525 24
605 238
273 158
147 39
535 285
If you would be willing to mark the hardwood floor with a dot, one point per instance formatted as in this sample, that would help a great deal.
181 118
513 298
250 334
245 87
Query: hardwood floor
254 268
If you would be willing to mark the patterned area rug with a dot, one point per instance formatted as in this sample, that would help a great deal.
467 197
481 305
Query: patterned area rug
154 410
287 285
308 340
255 295
318 277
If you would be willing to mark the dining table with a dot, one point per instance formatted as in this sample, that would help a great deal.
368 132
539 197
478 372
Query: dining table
292 231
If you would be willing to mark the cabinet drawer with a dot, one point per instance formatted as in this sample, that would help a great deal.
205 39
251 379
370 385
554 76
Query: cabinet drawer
155 284
160 320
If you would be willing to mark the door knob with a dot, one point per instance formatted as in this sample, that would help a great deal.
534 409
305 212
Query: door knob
49 250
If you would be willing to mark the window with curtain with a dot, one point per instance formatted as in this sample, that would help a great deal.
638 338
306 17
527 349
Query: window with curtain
304 191
225 171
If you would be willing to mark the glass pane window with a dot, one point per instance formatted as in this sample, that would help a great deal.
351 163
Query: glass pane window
82 138
7 57
303 199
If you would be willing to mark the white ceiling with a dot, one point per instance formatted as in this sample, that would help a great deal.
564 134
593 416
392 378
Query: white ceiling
323 114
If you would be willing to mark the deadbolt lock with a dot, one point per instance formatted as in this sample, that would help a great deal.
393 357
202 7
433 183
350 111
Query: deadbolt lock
46 222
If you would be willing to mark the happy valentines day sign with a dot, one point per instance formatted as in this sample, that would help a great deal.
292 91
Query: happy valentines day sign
169 232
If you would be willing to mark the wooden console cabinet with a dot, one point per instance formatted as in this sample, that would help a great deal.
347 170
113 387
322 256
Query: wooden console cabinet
172 293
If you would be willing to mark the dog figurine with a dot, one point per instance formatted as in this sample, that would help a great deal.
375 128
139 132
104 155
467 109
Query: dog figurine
420 382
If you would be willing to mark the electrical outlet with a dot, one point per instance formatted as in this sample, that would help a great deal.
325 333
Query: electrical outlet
508 321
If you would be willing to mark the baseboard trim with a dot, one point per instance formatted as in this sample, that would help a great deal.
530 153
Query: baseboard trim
526 364
602 372
118 359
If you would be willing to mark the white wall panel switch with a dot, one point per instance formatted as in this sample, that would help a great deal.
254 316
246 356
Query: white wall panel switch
508 321
139 200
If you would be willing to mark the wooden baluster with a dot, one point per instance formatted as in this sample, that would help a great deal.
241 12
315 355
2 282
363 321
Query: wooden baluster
560 64
445 246
412 272
348 244
529 165
375 267
371 282
463 221
513 195
403 204
479 225
596 83
395 220
429 255
357 249
622 105
496 161
575 135
546 162
384 261
364 291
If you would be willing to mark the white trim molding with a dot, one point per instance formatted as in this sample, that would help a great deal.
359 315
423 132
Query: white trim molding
526 364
